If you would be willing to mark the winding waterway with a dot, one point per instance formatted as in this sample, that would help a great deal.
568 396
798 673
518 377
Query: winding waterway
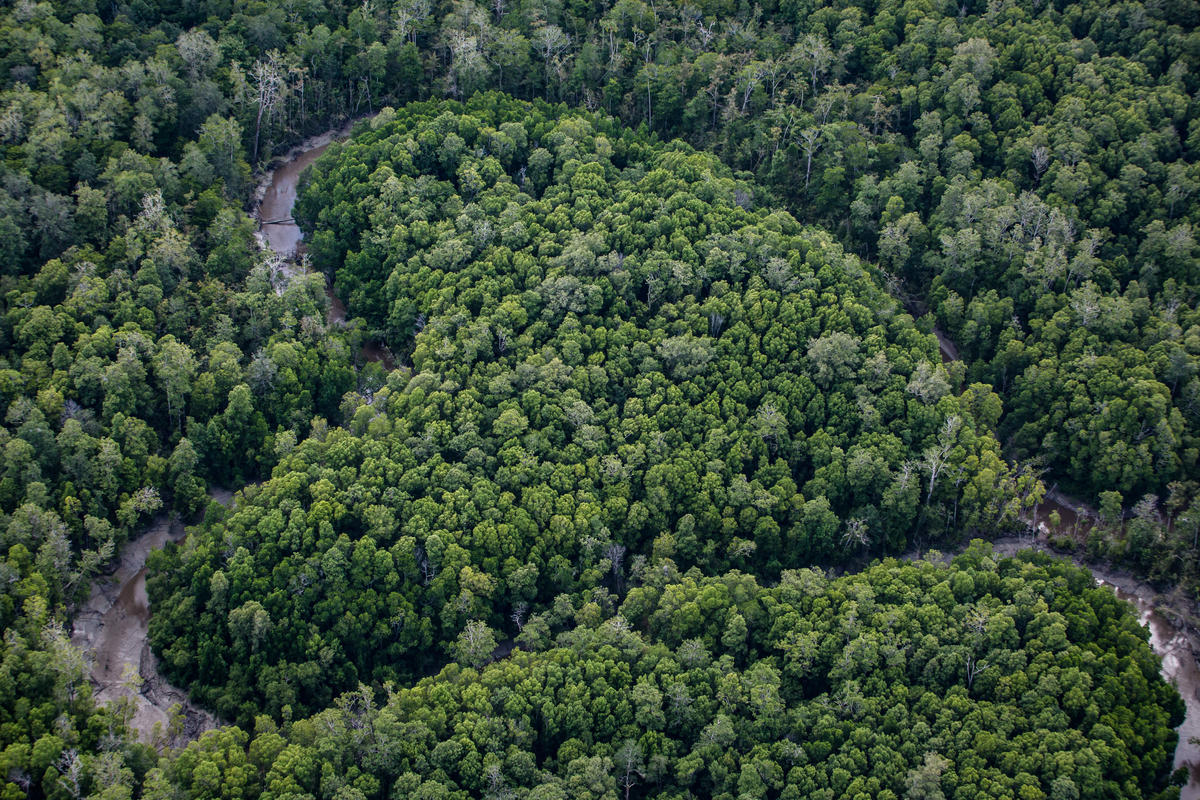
276 198
1178 652
1177 647
274 212
112 629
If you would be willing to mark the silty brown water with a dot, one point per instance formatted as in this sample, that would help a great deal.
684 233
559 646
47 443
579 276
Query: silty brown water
946 347
112 629
280 232
275 211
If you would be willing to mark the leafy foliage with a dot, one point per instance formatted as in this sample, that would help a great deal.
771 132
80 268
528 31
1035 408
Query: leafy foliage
990 678
734 392
572 399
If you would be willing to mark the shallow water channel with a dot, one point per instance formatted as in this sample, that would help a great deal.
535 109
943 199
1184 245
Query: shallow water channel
278 230
1177 647
112 629
282 234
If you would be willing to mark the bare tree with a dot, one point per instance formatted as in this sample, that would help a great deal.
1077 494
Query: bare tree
934 458
429 570
647 63
475 644
66 659
751 76
1085 302
408 15
550 42
268 83
70 773
810 141
628 761
1040 157
615 553
857 533
974 668
816 52
520 609
881 113
198 51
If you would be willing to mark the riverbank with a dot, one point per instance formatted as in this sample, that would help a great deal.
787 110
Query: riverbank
312 143
274 200
113 630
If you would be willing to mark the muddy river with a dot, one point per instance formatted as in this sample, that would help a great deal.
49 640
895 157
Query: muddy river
1179 666
281 233
275 199
1178 647
112 629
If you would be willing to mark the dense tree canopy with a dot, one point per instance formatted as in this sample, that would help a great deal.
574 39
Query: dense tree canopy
1025 170
622 357
990 679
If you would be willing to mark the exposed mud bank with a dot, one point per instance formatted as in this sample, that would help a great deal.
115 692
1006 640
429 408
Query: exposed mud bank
112 629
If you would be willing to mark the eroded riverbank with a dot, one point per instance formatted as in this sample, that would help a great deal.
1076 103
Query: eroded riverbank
112 629
1171 620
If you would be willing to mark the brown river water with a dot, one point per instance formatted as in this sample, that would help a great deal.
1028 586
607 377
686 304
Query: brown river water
276 198
1178 652
275 209
946 348
112 629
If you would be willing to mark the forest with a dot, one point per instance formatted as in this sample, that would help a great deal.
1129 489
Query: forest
666 285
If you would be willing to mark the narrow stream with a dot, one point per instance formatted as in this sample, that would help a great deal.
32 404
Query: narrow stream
278 230
112 629
113 626
282 234
946 347
1177 648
